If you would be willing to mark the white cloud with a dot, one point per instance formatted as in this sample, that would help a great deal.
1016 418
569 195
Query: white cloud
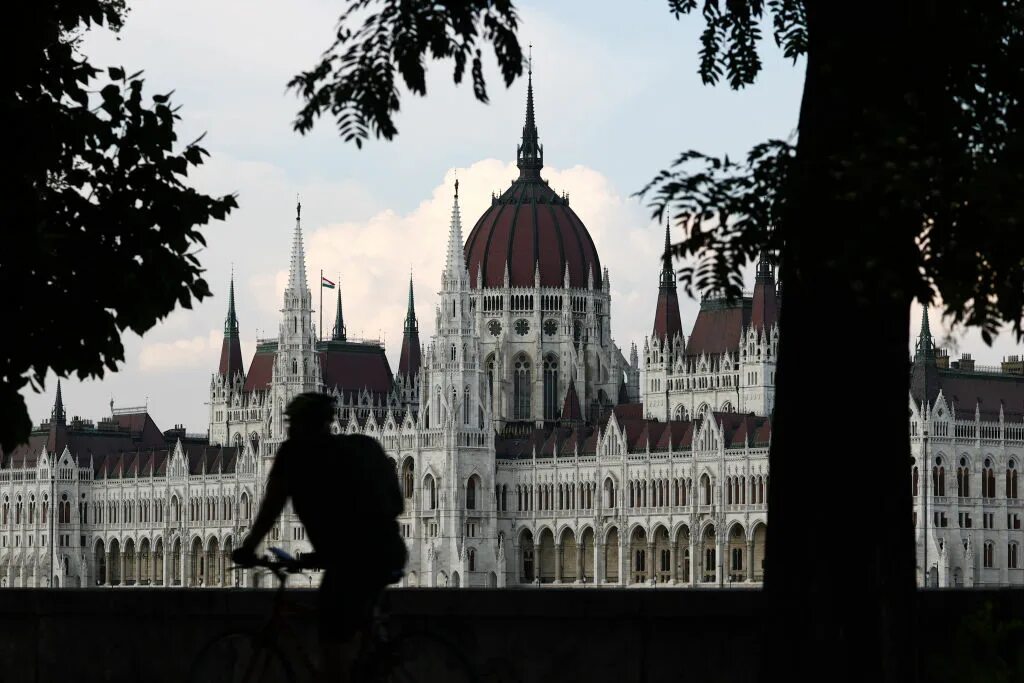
192 352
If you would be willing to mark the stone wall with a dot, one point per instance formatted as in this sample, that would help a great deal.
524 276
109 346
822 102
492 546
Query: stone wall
508 636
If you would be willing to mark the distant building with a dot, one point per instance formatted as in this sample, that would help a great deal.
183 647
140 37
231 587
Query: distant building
527 448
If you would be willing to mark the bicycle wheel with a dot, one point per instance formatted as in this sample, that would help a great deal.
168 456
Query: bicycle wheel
419 657
240 658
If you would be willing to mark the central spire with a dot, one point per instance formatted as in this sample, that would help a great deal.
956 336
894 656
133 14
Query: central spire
530 154
231 320
297 269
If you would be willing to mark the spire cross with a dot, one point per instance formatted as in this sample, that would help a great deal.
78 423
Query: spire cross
529 61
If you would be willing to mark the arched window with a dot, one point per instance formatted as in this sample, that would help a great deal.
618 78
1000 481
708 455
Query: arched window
938 478
465 405
705 486
521 388
490 381
295 366
988 480
550 388
407 477
430 491
963 479
471 487
914 478
609 493
988 555
1011 479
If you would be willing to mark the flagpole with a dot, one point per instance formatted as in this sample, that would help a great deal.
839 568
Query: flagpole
321 328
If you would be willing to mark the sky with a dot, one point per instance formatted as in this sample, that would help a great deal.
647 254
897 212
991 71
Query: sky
617 97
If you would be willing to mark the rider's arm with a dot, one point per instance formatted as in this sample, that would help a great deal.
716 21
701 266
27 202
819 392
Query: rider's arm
274 499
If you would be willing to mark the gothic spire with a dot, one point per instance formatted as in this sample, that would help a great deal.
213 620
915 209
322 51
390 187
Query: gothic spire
668 273
530 154
409 361
58 414
455 263
667 322
297 269
411 325
231 349
231 320
338 333
765 310
925 350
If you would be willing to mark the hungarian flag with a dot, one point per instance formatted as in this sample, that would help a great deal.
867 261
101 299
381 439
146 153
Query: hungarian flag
324 282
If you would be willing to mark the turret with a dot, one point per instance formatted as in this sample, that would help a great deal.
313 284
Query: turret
667 322
230 350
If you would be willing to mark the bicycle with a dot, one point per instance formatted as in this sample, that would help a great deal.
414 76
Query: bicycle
261 655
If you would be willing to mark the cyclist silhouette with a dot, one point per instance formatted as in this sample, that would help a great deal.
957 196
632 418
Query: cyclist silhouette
346 494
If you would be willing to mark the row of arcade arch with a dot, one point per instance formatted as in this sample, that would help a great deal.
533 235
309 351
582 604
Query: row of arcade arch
639 556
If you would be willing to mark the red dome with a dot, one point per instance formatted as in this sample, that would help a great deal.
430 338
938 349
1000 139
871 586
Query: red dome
528 224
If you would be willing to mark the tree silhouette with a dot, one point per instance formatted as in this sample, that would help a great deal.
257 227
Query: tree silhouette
902 183
101 230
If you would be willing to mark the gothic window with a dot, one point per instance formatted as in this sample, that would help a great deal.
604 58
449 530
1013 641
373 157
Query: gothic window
431 493
550 327
465 405
494 327
938 478
407 477
577 330
609 493
472 560
988 555
1012 560
295 325
521 389
522 327
550 388
963 479
914 479
454 353
705 485
490 380
988 480
1011 479
471 487
295 366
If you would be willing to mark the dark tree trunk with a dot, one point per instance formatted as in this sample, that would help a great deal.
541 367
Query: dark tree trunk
840 559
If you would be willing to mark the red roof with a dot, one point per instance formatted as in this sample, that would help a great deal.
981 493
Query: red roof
718 327
261 370
571 405
530 224
351 367
409 361
230 356
667 322
765 310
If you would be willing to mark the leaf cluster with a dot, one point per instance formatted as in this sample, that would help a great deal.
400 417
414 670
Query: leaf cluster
732 33
376 41
725 209
104 231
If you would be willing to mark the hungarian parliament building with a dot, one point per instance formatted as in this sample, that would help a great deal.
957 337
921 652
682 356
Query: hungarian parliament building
530 447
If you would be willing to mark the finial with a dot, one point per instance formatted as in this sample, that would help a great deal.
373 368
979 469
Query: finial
529 61
456 184
298 207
